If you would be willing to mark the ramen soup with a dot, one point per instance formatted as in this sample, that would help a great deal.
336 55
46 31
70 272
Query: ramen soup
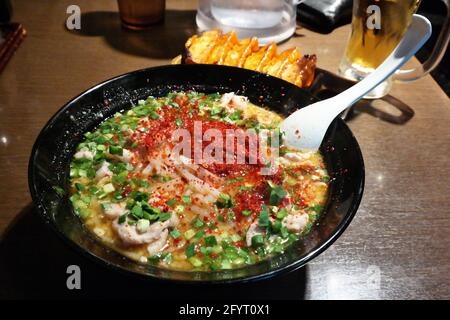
181 211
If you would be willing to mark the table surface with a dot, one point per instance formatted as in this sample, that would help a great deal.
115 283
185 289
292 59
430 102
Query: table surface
397 246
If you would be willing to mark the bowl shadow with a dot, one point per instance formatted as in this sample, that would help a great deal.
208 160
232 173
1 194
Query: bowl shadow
34 262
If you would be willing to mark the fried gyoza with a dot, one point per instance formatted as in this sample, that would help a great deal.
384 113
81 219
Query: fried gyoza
214 47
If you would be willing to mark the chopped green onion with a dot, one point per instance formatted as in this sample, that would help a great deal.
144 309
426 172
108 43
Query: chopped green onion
118 195
117 150
59 191
153 210
210 241
79 186
84 213
165 256
246 187
137 211
263 218
154 115
134 145
171 202
73 174
120 178
277 193
216 249
108 188
224 201
200 234
79 204
102 195
235 238
190 250
165 216
139 196
257 241
205 250
93 190
238 261
282 214
74 197
101 147
197 223
225 264
186 199
178 122
86 199
82 173
284 232
142 225
188 234
122 218
175 233
236 115
233 180
316 208
179 208
212 226
276 226
150 217
196 262
246 212
90 173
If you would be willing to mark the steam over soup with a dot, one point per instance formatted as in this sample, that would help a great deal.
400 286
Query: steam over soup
186 211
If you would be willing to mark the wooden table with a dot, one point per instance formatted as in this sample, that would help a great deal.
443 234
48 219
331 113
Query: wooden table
398 245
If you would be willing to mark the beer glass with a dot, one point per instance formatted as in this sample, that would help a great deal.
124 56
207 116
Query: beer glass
377 28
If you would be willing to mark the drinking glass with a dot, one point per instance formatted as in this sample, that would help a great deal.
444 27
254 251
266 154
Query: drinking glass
269 20
377 28
140 14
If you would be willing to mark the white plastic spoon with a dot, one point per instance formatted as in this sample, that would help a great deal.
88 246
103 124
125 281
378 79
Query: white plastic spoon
305 128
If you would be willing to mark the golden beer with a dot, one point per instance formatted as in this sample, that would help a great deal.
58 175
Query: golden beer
377 28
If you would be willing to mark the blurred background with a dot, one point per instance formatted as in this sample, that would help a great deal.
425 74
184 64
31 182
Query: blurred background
322 16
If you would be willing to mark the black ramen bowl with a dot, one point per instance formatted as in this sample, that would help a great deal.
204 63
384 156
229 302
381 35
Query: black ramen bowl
55 146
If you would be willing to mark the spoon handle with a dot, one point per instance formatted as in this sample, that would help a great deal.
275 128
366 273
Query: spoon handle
420 28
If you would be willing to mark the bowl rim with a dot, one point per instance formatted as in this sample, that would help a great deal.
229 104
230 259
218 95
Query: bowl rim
294 265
